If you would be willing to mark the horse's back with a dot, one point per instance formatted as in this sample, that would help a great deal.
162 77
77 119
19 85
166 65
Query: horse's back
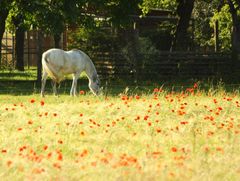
64 62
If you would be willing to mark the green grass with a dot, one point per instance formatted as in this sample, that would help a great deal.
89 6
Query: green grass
127 135
30 74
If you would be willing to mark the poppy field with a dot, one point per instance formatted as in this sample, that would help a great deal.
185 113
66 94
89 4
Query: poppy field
159 135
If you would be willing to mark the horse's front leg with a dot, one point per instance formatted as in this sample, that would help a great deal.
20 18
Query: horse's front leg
44 79
73 91
54 85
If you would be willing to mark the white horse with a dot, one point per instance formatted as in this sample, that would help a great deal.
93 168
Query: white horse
57 63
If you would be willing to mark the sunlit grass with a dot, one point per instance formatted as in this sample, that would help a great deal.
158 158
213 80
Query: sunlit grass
161 135
29 74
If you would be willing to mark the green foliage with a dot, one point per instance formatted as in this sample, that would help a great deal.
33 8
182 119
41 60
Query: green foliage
92 39
119 10
161 37
161 4
146 51
225 26
203 33
19 15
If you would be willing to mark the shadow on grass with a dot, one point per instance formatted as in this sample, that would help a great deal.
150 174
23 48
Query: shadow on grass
113 88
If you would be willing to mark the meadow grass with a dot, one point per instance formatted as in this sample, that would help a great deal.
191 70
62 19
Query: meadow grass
29 74
159 135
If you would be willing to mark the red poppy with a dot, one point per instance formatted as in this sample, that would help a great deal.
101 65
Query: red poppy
42 103
45 147
60 157
30 122
137 97
81 92
155 90
195 86
174 149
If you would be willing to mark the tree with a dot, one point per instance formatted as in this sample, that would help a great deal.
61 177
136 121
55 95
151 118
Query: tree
234 9
19 20
181 38
19 39
4 10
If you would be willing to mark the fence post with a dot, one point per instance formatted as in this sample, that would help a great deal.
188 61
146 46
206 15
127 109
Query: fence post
216 36
137 61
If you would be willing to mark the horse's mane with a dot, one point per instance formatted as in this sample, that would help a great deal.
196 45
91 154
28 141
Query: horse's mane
89 59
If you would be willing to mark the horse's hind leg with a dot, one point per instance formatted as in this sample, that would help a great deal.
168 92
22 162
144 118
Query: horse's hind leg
44 78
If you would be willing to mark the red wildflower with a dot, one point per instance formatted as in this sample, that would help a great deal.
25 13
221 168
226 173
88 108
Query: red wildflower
32 100
49 155
57 165
94 164
45 147
30 122
146 118
219 149
60 157
42 103
137 97
9 163
174 149
81 92
206 149
155 90
195 86
190 90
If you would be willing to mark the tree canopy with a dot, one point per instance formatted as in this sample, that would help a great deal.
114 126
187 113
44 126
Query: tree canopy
195 18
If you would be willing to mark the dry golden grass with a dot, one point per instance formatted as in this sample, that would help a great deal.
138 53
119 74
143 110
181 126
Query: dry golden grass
158 136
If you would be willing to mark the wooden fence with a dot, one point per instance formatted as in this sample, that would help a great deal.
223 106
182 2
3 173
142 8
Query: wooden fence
167 65
30 48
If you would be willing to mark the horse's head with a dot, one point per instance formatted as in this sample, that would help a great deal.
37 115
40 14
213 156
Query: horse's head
94 85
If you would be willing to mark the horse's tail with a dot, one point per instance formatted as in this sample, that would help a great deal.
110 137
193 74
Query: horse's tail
46 64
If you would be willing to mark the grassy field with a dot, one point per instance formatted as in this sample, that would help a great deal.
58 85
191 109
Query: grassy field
159 135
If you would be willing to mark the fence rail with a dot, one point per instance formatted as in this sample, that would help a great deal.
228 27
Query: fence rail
166 65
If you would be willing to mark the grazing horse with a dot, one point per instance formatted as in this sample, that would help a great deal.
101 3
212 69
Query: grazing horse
57 63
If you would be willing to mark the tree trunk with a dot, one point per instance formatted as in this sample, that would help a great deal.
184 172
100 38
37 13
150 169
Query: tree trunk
235 34
19 48
57 38
181 39
39 53
19 39
3 15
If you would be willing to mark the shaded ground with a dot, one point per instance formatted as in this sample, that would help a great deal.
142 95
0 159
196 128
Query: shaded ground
24 83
